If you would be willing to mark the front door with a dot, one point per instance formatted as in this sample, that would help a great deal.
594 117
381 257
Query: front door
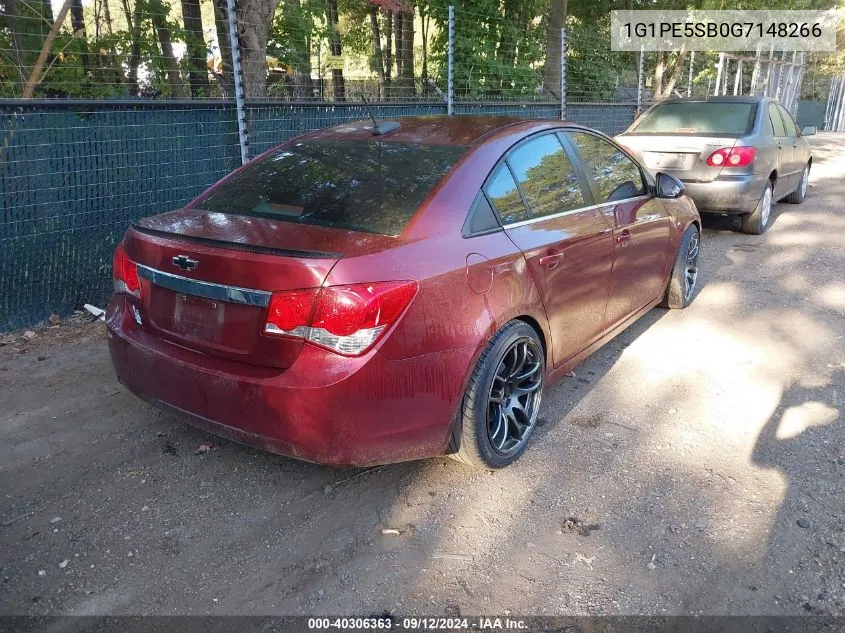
546 209
641 225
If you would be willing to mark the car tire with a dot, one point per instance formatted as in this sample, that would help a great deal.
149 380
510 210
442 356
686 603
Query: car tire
682 284
478 438
756 222
797 196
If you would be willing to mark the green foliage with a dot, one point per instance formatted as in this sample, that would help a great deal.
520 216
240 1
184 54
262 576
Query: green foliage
500 48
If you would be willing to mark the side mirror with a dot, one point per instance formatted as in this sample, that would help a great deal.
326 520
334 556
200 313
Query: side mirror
669 187
808 130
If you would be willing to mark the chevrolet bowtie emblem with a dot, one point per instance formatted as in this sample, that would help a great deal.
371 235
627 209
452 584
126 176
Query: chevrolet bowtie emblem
185 263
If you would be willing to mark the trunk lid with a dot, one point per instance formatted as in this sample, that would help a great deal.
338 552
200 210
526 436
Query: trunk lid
206 277
677 154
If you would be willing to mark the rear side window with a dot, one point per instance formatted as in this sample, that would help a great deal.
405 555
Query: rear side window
614 175
366 186
698 117
504 195
788 122
546 176
778 129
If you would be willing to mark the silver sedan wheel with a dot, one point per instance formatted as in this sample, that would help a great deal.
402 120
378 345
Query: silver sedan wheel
804 180
766 205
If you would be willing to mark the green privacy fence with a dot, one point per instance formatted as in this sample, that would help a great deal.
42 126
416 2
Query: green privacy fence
74 174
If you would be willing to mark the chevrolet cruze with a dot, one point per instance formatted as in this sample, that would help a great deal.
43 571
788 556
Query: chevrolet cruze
376 293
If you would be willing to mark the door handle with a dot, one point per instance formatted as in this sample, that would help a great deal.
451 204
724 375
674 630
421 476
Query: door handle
624 238
551 261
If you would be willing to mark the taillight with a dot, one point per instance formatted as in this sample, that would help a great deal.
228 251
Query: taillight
125 273
732 157
345 319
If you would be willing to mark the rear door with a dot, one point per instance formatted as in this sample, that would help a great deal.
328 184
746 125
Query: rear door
546 208
641 224
785 162
796 151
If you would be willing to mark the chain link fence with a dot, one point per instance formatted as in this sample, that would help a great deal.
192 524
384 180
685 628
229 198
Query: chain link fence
111 110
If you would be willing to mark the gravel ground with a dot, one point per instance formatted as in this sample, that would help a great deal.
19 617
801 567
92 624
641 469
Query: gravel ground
692 466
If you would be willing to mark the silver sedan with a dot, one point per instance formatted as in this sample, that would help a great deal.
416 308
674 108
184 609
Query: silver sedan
734 155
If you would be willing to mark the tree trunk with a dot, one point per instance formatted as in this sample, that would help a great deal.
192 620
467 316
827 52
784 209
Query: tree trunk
425 23
388 52
254 17
226 77
77 23
107 18
338 84
659 72
303 85
133 21
158 15
408 49
551 68
674 77
375 33
196 50
397 44
35 75
512 27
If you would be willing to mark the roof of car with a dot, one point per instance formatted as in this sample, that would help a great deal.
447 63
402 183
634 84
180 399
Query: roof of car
431 130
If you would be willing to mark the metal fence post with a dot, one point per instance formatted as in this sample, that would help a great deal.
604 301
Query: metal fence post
719 73
826 119
640 82
840 106
450 87
689 79
563 73
755 74
738 78
234 40
837 99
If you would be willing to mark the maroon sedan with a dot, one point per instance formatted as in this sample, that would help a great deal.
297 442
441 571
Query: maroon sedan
363 295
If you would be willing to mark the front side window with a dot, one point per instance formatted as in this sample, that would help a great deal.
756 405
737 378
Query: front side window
546 176
369 186
614 175
504 195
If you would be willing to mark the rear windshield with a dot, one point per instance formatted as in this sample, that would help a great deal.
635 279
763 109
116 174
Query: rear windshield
367 186
710 117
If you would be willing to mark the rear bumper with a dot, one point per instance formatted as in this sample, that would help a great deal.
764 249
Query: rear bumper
324 408
728 194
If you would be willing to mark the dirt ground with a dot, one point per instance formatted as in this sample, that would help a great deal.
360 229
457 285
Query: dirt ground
695 465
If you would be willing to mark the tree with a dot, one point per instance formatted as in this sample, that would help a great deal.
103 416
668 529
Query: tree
196 52
77 21
336 48
663 89
158 15
551 67
35 75
226 77
133 20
